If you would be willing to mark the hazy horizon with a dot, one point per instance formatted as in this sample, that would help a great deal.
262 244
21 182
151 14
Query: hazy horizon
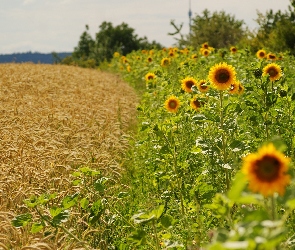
46 26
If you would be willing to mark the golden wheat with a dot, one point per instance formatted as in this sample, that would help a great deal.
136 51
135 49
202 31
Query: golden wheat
54 119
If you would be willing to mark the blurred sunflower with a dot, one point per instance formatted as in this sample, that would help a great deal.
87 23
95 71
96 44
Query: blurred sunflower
261 54
205 45
187 83
222 75
266 171
273 70
203 86
165 62
171 53
172 104
124 59
205 52
116 54
196 103
149 59
234 88
241 89
129 68
194 56
233 49
150 76
271 56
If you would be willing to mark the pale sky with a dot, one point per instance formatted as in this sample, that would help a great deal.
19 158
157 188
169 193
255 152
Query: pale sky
56 25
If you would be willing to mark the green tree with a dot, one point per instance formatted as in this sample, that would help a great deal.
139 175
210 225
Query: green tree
109 39
276 30
219 29
85 45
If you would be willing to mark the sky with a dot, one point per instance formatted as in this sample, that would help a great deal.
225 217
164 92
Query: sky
56 25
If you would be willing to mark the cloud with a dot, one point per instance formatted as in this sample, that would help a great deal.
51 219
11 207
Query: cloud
27 2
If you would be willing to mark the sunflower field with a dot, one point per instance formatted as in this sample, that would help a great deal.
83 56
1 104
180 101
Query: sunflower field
212 163
209 162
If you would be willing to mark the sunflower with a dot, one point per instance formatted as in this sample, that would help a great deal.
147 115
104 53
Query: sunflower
266 171
175 49
149 59
273 70
194 56
202 86
128 68
234 88
271 56
261 54
233 49
172 104
205 45
205 52
241 89
116 54
124 59
222 76
171 53
187 83
150 76
165 62
196 103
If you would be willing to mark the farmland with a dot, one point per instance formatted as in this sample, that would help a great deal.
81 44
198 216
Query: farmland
189 148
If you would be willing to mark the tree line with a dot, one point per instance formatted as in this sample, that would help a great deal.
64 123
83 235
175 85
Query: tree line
275 32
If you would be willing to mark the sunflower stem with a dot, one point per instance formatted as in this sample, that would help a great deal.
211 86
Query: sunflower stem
223 140
273 208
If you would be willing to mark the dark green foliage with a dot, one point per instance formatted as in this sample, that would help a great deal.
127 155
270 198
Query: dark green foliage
218 29
276 30
109 39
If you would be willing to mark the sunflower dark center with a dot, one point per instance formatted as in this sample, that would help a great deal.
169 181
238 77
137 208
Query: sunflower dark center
272 72
165 62
222 76
267 169
261 54
189 84
150 77
272 56
198 104
172 104
203 86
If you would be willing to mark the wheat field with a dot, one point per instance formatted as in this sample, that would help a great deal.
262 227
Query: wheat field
54 119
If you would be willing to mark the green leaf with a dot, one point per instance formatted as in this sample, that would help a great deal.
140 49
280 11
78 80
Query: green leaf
158 211
99 187
237 187
138 237
61 217
76 182
122 195
84 203
99 184
36 227
142 217
70 201
167 220
21 220
291 204
54 211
